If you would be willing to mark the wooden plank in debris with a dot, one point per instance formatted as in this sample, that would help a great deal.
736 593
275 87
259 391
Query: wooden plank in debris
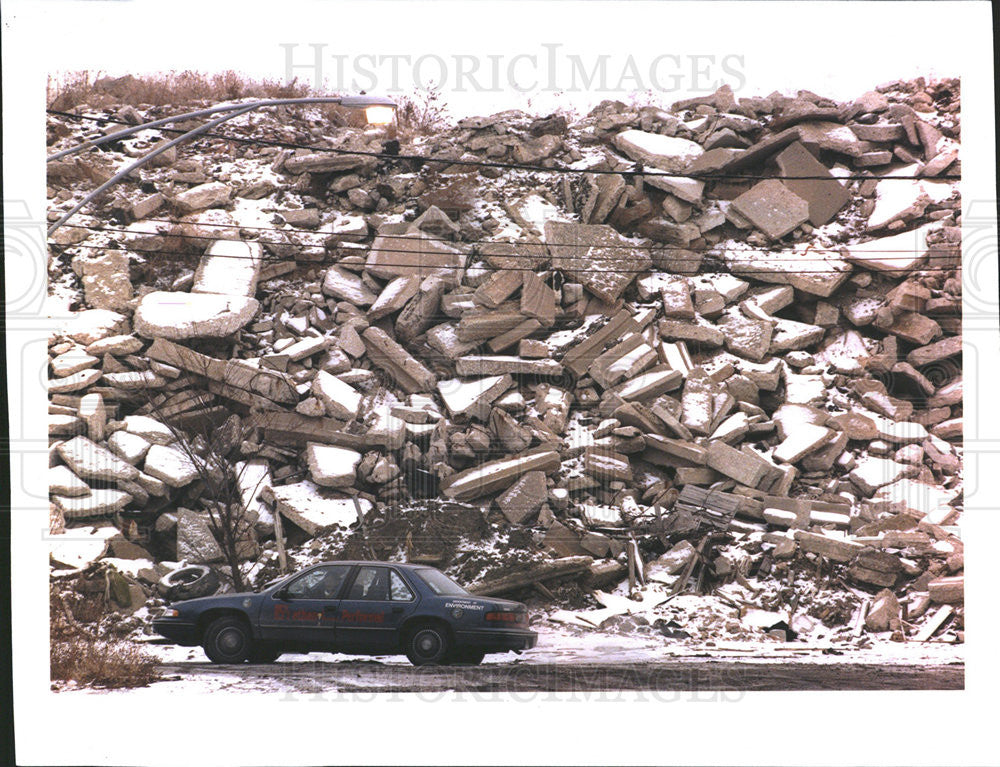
933 623
712 508
579 358
555 568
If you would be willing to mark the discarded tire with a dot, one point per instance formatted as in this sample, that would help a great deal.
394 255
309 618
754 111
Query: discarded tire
189 583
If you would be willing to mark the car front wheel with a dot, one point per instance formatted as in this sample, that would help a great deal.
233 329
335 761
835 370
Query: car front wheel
228 640
427 645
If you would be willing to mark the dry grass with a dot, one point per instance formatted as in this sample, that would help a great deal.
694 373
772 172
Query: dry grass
181 89
173 88
96 663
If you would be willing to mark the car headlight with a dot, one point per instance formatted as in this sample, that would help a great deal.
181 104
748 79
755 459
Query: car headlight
170 612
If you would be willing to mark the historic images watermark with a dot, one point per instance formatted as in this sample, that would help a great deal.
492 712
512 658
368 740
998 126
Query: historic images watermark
551 68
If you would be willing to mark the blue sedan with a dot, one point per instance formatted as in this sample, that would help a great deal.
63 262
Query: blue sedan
358 608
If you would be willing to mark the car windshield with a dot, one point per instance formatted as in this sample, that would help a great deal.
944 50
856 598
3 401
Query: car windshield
440 583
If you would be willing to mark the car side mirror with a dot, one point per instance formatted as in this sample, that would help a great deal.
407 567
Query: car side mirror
281 594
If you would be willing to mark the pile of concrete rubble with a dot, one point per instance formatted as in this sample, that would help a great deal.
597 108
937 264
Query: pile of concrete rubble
721 356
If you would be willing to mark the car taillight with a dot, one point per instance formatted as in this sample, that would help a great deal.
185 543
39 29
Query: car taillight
506 617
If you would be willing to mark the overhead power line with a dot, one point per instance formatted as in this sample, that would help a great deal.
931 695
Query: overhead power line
565 267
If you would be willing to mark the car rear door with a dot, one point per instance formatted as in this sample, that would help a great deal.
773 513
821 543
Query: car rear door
305 613
371 612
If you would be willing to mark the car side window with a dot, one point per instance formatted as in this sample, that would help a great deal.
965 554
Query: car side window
398 590
321 583
371 583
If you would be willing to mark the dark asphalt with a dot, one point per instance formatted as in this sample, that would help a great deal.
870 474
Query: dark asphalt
677 675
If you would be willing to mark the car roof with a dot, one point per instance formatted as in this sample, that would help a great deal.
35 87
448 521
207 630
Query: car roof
401 565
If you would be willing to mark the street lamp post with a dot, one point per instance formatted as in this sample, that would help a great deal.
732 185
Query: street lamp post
378 111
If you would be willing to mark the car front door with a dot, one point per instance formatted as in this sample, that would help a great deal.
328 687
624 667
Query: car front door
304 613
370 614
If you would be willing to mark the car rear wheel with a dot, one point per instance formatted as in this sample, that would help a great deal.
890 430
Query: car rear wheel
228 640
427 645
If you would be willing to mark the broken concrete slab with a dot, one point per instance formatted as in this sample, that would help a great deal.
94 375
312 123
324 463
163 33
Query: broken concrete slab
182 316
809 179
89 460
316 510
385 353
415 254
668 153
347 286
773 208
494 365
524 498
339 399
229 267
494 476
394 296
744 468
898 254
798 266
472 399
331 466
170 464
596 256
98 502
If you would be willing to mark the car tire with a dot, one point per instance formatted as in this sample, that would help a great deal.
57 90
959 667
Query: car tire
228 640
427 645
263 653
466 657
189 583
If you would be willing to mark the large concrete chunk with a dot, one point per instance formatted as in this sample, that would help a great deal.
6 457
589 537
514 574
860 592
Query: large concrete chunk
178 316
394 296
745 469
170 464
485 365
229 267
773 208
385 353
667 153
524 497
347 286
494 476
195 541
211 195
472 399
894 255
91 461
596 256
315 510
799 267
415 255
837 549
339 399
808 178
331 466
98 502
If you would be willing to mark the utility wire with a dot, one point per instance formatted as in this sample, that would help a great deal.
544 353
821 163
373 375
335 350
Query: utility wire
583 248
411 238
707 175
611 268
